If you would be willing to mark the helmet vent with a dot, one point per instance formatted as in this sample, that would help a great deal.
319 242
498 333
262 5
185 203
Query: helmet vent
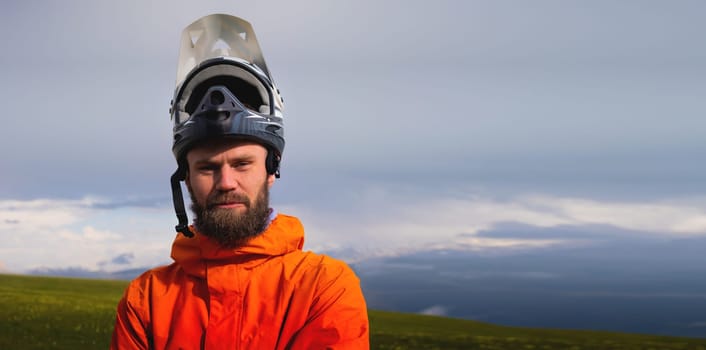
217 98
194 35
221 47
216 115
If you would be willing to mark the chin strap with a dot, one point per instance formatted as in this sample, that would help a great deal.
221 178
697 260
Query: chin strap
178 199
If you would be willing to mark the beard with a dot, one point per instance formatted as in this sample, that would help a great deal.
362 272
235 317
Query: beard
226 226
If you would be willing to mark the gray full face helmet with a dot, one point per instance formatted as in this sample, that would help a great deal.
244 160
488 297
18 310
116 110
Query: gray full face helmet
223 90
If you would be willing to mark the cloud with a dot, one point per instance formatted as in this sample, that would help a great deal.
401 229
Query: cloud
89 233
386 223
83 233
123 259
146 202
491 111
436 310
368 223
520 97
658 217
485 243
550 211
17 214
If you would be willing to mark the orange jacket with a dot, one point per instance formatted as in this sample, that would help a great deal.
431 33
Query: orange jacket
266 295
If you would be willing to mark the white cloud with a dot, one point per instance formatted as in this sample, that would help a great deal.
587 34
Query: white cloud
77 233
22 215
89 234
61 233
658 217
403 225
483 243
436 310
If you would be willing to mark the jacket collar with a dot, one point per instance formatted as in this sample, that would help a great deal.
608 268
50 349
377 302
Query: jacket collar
284 234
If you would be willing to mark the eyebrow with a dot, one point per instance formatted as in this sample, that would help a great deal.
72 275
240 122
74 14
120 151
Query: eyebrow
238 158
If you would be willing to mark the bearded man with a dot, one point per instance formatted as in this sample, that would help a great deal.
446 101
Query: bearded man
239 279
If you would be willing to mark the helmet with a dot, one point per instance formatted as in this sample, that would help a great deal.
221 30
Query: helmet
223 89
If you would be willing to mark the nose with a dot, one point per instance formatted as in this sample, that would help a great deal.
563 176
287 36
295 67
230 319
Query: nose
226 180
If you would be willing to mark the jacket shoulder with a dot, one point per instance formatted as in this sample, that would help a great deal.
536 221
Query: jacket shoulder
336 312
326 262
327 273
289 221
152 282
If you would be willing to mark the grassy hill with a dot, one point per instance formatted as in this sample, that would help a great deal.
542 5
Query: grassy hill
64 313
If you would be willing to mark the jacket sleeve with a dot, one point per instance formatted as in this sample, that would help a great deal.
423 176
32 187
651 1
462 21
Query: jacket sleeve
338 317
129 331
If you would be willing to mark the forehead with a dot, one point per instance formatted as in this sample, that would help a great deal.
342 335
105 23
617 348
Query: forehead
225 147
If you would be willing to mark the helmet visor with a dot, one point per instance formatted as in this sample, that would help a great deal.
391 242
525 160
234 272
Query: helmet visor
218 36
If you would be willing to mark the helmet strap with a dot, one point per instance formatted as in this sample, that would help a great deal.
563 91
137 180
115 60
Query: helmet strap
178 199
272 163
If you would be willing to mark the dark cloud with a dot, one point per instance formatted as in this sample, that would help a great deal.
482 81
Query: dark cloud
123 259
590 232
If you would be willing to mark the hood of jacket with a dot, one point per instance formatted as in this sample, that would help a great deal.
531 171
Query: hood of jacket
284 234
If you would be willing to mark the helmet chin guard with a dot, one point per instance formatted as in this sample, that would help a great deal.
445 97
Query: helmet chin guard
223 90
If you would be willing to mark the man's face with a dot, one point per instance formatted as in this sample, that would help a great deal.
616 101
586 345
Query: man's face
229 188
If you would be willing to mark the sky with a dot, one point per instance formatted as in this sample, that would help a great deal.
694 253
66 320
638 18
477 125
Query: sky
410 125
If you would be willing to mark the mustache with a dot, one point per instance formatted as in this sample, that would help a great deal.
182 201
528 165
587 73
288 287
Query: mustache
228 197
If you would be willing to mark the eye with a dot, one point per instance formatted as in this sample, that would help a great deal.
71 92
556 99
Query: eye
207 168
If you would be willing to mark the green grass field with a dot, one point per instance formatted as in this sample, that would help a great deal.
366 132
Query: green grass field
64 313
